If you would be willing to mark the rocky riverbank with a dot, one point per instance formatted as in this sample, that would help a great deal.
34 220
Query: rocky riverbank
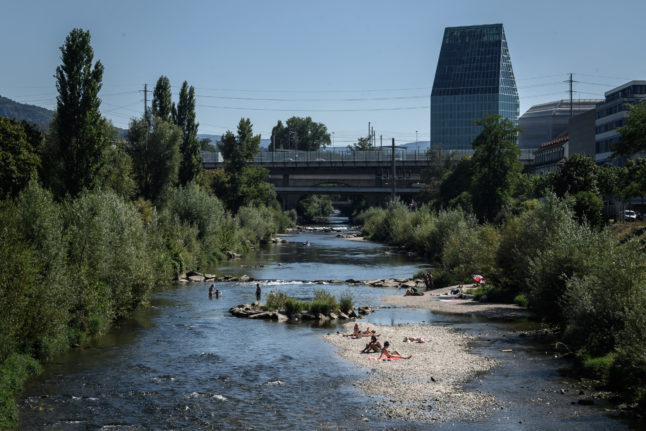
430 385
258 311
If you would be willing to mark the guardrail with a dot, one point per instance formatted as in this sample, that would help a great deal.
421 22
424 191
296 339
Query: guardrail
385 155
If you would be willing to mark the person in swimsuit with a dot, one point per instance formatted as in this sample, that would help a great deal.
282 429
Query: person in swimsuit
372 346
394 355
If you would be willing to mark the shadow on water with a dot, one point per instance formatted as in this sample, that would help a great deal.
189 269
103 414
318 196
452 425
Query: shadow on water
186 363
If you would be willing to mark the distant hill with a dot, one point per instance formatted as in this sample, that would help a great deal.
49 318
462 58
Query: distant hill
41 117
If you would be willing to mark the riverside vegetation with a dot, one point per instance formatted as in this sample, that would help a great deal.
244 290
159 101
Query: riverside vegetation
585 281
91 225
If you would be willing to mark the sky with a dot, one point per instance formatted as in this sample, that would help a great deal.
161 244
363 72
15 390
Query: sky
344 63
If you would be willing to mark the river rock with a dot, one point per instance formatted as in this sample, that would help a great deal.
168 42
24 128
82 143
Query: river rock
196 278
353 314
244 310
322 316
308 316
261 315
245 277
281 317
352 281
333 316
210 276
232 255
343 316
408 284
364 310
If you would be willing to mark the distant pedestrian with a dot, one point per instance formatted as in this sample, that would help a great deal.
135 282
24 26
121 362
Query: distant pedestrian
258 291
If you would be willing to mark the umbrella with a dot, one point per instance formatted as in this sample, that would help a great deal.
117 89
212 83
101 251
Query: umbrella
477 278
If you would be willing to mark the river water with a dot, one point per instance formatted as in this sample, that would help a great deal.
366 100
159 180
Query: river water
186 363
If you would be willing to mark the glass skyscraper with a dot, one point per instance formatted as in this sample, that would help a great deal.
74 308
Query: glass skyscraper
473 78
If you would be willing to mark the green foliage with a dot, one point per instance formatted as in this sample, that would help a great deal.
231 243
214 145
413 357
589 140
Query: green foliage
162 105
314 206
241 184
275 301
299 134
521 300
495 166
598 367
323 302
633 133
346 302
13 373
293 306
577 174
588 208
155 155
494 294
78 139
19 159
633 182
190 152
116 174
362 144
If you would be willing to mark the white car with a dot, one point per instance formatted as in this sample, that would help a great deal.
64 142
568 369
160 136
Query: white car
629 215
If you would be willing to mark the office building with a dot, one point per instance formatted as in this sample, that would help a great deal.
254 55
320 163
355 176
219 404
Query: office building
611 114
474 78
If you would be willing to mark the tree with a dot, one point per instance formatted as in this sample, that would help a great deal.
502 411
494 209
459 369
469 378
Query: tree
633 133
300 134
155 155
363 144
190 151
19 159
579 173
634 183
78 131
495 165
242 179
162 104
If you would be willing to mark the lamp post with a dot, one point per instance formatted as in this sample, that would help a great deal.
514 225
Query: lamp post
332 138
415 136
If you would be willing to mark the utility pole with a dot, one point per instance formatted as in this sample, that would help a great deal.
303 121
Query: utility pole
394 182
146 105
570 81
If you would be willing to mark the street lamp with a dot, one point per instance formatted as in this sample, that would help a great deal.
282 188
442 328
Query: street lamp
332 138
415 136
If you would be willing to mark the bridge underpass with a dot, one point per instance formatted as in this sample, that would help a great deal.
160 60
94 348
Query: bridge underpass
368 174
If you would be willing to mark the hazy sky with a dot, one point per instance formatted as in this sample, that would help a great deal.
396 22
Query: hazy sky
342 62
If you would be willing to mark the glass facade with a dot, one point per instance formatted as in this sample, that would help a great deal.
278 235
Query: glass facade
474 78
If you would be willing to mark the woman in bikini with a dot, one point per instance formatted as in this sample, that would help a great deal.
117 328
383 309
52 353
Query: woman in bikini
394 355
372 346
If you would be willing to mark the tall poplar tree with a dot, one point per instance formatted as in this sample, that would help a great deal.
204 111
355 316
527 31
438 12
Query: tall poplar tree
190 150
78 138
162 104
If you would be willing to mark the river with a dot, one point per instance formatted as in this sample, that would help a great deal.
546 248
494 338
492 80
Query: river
186 363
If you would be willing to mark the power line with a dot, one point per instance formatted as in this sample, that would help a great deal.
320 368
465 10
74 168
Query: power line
406 108
312 100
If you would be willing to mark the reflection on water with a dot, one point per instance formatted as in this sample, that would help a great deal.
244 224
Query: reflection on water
186 363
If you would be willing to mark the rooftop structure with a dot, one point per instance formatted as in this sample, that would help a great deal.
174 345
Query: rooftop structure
544 122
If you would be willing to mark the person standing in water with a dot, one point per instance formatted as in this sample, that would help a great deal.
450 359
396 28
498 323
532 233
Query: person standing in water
258 291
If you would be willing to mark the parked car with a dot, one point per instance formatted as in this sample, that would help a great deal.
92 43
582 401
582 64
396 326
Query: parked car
629 215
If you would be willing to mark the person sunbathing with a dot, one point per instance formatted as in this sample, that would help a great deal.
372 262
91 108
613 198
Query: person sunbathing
372 346
356 332
391 356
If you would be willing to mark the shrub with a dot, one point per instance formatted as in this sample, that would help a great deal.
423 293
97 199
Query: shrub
323 302
293 306
13 373
521 300
275 301
346 302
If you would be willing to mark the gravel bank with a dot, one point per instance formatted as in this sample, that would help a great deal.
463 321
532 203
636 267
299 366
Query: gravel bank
438 300
429 386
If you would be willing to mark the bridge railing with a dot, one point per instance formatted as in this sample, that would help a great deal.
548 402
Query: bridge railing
381 155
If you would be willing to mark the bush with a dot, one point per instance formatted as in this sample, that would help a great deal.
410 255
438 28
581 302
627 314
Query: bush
346 302
323 302
521 300
494 293
275 301
13 373
293 306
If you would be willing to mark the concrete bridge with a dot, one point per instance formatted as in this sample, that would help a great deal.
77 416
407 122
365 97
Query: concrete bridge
348 174
365 174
